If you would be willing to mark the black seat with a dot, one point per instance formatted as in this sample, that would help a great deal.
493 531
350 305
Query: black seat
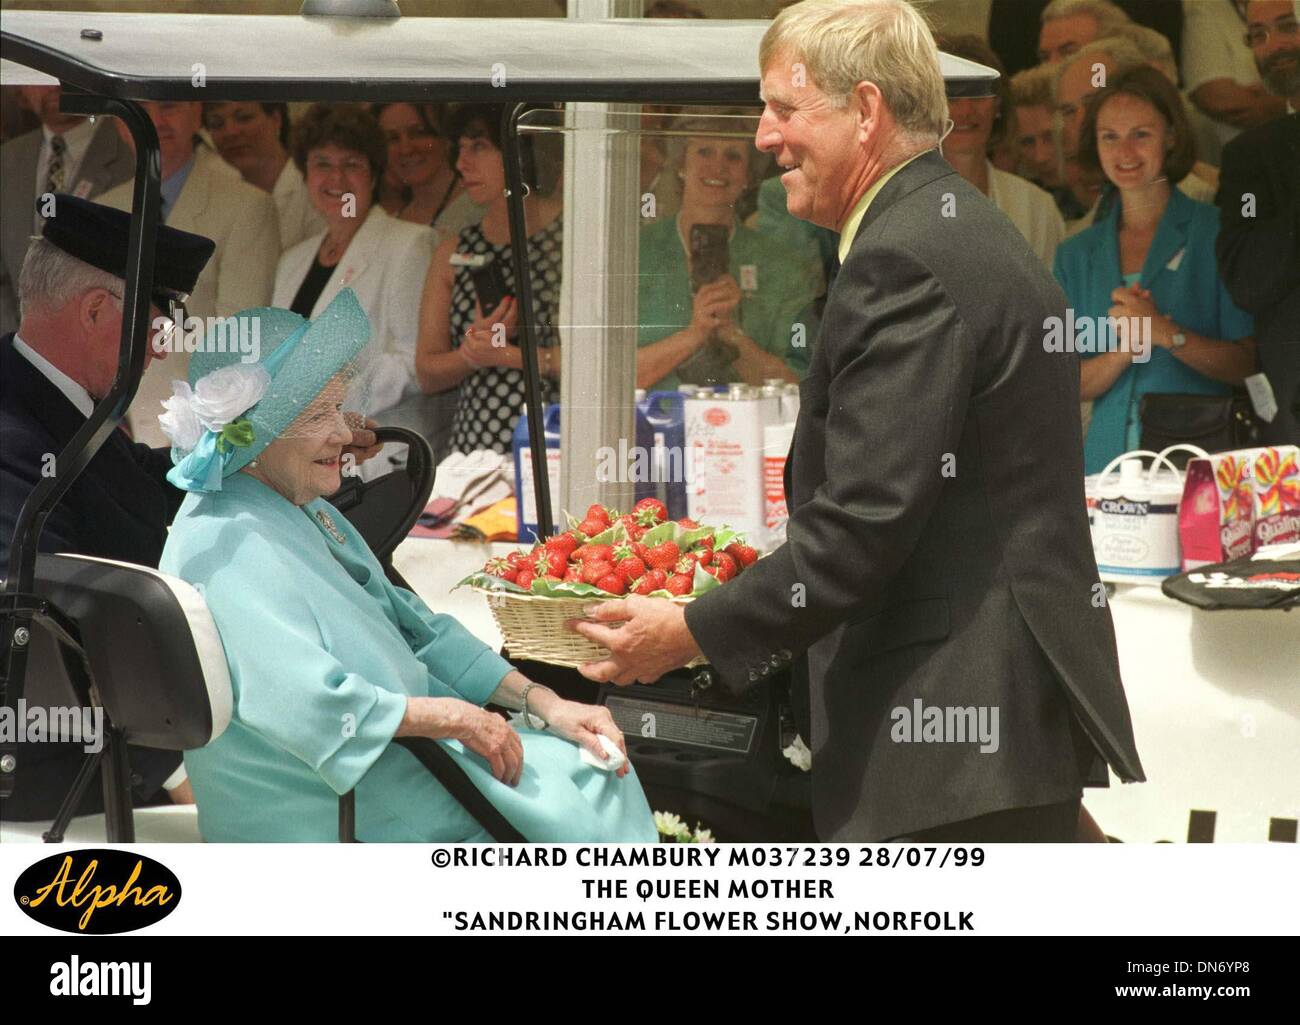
143 646
384 509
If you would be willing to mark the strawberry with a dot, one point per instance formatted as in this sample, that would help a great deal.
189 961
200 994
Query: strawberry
602 553
685 565
660 510
646 584
500 568
679 584
573 575
596 511
592 527
704 556
641 551
563 543
525 578
613 583
517 558
664 555
627 565
594 569
724 567
688 523
658 576
552 564
742 553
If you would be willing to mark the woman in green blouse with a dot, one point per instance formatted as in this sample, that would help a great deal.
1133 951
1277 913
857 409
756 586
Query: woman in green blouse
750 324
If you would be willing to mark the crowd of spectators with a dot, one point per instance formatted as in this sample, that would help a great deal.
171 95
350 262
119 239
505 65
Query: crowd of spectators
1102 142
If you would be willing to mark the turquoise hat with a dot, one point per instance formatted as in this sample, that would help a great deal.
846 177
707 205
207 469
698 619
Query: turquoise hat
232 408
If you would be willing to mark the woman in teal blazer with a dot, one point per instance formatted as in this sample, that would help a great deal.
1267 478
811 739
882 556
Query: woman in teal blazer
1150 257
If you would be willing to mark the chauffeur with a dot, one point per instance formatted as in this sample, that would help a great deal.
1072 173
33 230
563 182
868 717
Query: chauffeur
938 553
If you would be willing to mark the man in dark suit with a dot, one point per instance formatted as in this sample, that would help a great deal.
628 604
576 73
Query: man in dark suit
52 372
938 566
68 154
1259 210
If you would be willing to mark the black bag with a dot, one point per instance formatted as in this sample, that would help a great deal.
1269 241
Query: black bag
1216 423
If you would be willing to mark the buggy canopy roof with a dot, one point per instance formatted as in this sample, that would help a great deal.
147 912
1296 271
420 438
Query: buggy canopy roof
286 57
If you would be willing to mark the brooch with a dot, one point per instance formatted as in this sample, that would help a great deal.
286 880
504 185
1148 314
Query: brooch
328 525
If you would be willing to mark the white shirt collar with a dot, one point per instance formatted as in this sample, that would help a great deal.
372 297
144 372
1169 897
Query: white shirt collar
71 390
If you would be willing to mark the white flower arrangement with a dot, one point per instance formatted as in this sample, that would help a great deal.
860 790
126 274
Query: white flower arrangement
215 401
672 828
798 754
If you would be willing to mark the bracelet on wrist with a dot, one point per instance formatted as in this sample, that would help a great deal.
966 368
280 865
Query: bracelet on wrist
531 719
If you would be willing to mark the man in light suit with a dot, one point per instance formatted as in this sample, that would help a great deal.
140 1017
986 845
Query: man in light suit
204 195
67 153
938 560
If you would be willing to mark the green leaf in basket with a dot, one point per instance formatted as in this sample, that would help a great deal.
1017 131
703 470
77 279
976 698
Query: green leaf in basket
689 538
567 589
489 582
724 536
666 531
703 582
614 535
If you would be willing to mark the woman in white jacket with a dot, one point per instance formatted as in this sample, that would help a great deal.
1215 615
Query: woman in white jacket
341 151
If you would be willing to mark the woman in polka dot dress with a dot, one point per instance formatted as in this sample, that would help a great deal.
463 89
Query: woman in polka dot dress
460 344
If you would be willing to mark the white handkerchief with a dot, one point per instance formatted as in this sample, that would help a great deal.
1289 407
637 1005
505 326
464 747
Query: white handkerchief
616 757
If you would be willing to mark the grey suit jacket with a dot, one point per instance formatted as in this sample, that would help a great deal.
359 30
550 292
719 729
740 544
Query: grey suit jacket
106 162
938 548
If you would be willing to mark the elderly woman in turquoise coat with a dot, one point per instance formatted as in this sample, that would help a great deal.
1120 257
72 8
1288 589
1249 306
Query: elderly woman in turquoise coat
329 661
1149 261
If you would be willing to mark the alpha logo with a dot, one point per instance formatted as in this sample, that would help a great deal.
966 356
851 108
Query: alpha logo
97 891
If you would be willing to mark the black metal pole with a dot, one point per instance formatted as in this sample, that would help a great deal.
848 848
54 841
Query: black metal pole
15 627
524 286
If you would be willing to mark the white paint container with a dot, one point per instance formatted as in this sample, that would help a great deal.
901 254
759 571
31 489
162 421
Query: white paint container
1134 517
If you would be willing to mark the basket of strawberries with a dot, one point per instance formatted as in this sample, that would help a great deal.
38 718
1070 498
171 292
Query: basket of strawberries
604 556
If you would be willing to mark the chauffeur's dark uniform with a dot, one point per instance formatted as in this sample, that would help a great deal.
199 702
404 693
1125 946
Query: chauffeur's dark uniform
118 508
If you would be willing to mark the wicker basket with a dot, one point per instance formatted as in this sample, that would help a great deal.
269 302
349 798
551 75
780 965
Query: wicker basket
532 627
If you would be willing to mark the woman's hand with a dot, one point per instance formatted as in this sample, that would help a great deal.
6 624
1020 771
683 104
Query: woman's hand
487 734
486 342
581 724
1131 302
714 305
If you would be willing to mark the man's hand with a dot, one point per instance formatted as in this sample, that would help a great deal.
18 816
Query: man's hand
363 445
652 639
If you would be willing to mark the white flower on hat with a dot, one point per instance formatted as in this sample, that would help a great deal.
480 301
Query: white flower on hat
223 395
216 400
179 422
